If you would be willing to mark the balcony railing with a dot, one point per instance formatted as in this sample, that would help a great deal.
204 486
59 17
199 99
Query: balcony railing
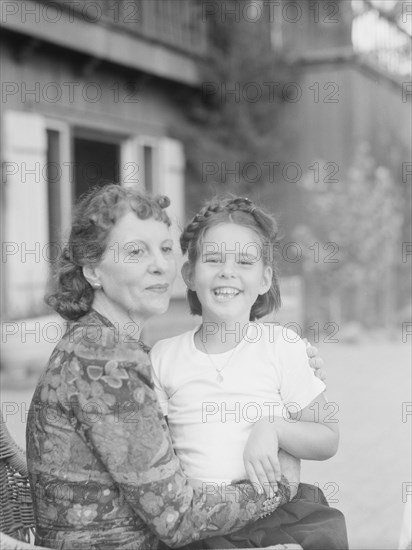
380 40
175 23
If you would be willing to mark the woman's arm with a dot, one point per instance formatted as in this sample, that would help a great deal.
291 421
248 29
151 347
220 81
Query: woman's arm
129 435
315 362
290 468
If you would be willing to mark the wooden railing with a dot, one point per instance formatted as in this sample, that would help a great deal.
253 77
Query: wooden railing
379 39
174 23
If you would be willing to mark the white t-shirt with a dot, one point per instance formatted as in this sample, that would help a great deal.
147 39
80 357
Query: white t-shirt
210 420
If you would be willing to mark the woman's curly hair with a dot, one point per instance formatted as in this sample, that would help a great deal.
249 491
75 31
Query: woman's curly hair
239 210
95 215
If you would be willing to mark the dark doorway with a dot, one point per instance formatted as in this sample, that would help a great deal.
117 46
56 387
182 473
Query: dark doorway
96 163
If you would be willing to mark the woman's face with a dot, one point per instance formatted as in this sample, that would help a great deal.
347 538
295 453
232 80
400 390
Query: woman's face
138 268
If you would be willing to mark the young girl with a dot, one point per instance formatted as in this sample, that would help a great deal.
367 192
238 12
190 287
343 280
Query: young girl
242 389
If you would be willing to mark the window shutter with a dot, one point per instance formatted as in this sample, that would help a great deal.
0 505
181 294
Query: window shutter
172 177
130 163
171 182
25 251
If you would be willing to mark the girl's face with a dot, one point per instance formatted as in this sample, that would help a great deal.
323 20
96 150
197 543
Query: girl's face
229 273
138 268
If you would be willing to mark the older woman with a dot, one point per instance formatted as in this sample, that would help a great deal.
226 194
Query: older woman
102 468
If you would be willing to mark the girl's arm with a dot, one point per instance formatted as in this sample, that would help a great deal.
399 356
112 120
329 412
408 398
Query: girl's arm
317 439
307 427
311 433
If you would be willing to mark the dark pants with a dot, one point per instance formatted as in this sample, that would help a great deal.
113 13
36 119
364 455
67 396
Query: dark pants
307 520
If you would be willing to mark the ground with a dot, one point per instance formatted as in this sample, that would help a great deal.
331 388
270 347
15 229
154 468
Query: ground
370 383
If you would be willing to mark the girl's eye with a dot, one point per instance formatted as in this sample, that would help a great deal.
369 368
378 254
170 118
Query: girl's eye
246 262
212 260
167 249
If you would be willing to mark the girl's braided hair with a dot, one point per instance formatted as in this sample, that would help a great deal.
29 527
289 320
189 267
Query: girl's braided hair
239 210
95 215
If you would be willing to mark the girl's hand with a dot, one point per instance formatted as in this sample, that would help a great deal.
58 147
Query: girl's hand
261 457
315 362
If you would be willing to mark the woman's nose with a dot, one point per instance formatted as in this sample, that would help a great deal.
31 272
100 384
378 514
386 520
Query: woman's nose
159 264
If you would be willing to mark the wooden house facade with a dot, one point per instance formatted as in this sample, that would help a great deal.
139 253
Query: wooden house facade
92 92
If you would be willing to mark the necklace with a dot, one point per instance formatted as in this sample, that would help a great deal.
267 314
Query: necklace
219 376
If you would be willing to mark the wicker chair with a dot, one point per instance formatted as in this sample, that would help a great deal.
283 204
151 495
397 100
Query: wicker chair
16 509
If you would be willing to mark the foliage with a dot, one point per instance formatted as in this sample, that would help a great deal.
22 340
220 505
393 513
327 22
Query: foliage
234 122
360 220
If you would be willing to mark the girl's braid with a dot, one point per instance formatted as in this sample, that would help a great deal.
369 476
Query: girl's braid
217 206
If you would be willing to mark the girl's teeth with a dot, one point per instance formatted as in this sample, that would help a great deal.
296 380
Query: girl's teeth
226 292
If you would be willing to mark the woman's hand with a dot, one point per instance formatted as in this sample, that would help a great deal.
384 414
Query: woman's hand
290 467
261 457
315 362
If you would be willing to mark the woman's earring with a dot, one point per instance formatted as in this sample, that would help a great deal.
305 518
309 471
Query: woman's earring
97 286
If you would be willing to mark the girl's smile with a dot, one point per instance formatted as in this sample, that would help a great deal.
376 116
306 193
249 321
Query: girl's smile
230 274
226 293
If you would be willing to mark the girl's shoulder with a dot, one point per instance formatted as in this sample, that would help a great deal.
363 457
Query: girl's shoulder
173 343
277 338
273 331
170 354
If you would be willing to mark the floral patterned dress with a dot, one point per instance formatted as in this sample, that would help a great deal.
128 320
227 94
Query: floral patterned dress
101 464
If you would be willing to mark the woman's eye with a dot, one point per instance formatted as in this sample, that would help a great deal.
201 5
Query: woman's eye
246 262
136 252
167 249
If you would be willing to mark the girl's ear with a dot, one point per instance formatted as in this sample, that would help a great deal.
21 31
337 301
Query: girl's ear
91 276
187 274
266 280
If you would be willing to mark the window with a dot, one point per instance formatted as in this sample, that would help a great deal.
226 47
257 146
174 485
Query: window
95 163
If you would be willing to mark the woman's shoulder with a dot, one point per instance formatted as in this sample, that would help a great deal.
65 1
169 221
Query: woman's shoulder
89 344
94 333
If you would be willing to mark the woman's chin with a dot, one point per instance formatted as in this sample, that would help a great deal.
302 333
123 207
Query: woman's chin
159 307
163 309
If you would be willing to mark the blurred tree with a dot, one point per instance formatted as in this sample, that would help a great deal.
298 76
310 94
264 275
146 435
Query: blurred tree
233 125
352 243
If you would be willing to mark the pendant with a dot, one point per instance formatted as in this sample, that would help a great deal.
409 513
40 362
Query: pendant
219 377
